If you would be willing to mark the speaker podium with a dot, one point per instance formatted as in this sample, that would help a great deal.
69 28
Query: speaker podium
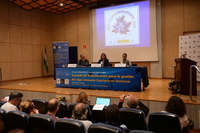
183 75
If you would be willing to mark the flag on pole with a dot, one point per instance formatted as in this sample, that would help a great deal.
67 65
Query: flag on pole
45 61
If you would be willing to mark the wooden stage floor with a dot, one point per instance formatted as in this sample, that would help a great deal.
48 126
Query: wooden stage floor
156 91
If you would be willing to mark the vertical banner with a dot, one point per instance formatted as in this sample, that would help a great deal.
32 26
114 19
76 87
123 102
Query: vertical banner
190 45
60 54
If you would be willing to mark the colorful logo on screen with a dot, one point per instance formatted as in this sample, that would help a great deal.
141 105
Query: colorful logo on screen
121 24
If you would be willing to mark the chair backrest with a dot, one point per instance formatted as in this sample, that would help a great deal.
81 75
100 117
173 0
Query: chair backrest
3 125
134 64
63 110
39 123
69 125
98 116
134 119
41 105
103 128
140 131
17 119
163 122
89 114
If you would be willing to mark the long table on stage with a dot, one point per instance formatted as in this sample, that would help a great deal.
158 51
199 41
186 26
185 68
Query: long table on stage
107 78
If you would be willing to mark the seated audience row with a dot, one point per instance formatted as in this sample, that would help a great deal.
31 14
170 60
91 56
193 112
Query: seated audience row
175 105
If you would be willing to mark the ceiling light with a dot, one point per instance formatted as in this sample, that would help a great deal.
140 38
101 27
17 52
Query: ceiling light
61 4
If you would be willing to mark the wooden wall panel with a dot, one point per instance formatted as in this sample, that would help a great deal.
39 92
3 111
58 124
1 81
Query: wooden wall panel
172 20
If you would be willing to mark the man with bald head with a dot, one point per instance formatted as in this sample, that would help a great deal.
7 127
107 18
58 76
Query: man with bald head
53 107
133 102
80 113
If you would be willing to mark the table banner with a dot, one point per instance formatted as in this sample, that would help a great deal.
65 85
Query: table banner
110 78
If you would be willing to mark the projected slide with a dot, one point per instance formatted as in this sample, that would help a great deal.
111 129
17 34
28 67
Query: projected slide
122 26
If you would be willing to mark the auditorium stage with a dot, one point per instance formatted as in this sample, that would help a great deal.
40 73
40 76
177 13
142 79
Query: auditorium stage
156 91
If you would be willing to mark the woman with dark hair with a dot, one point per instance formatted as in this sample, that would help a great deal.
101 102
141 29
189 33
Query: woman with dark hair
103 61
176 106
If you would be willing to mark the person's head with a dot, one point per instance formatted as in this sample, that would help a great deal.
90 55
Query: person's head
80 111
82 98
53 106
124 56
103 56
82 56
132 101
15 98
112 113
176 106
27 106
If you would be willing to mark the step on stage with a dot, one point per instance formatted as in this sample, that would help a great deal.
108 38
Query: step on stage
155 95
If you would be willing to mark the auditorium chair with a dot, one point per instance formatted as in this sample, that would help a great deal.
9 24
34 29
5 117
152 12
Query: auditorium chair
134 64
40 105
89 114
39 123
69 126
17 119
103 128
134 119
140 131
98 116
163 122
63 110
3 125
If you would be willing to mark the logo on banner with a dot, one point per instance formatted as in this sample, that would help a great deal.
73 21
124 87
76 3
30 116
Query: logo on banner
67 81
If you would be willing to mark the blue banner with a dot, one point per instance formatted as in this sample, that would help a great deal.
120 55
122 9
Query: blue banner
60 54
110 78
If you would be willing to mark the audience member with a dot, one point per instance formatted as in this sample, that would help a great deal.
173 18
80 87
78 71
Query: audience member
125 60
103 60
83 61
134 103
176 106
53 107
15 99
80 113
82 98
28 107
112 117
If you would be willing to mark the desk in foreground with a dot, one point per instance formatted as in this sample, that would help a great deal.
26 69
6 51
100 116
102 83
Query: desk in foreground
107 78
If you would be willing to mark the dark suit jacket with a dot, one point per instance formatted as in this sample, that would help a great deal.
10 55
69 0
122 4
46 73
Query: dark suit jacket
106 62
142 107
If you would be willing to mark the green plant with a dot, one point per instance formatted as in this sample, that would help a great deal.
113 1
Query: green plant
62 99
175 85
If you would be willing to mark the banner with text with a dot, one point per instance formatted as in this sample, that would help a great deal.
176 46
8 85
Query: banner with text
190 45
122 79
60 54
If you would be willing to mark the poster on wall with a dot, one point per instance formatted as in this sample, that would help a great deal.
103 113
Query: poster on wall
60 54
190 45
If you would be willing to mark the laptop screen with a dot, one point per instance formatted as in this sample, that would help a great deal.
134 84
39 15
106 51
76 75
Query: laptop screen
103 101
